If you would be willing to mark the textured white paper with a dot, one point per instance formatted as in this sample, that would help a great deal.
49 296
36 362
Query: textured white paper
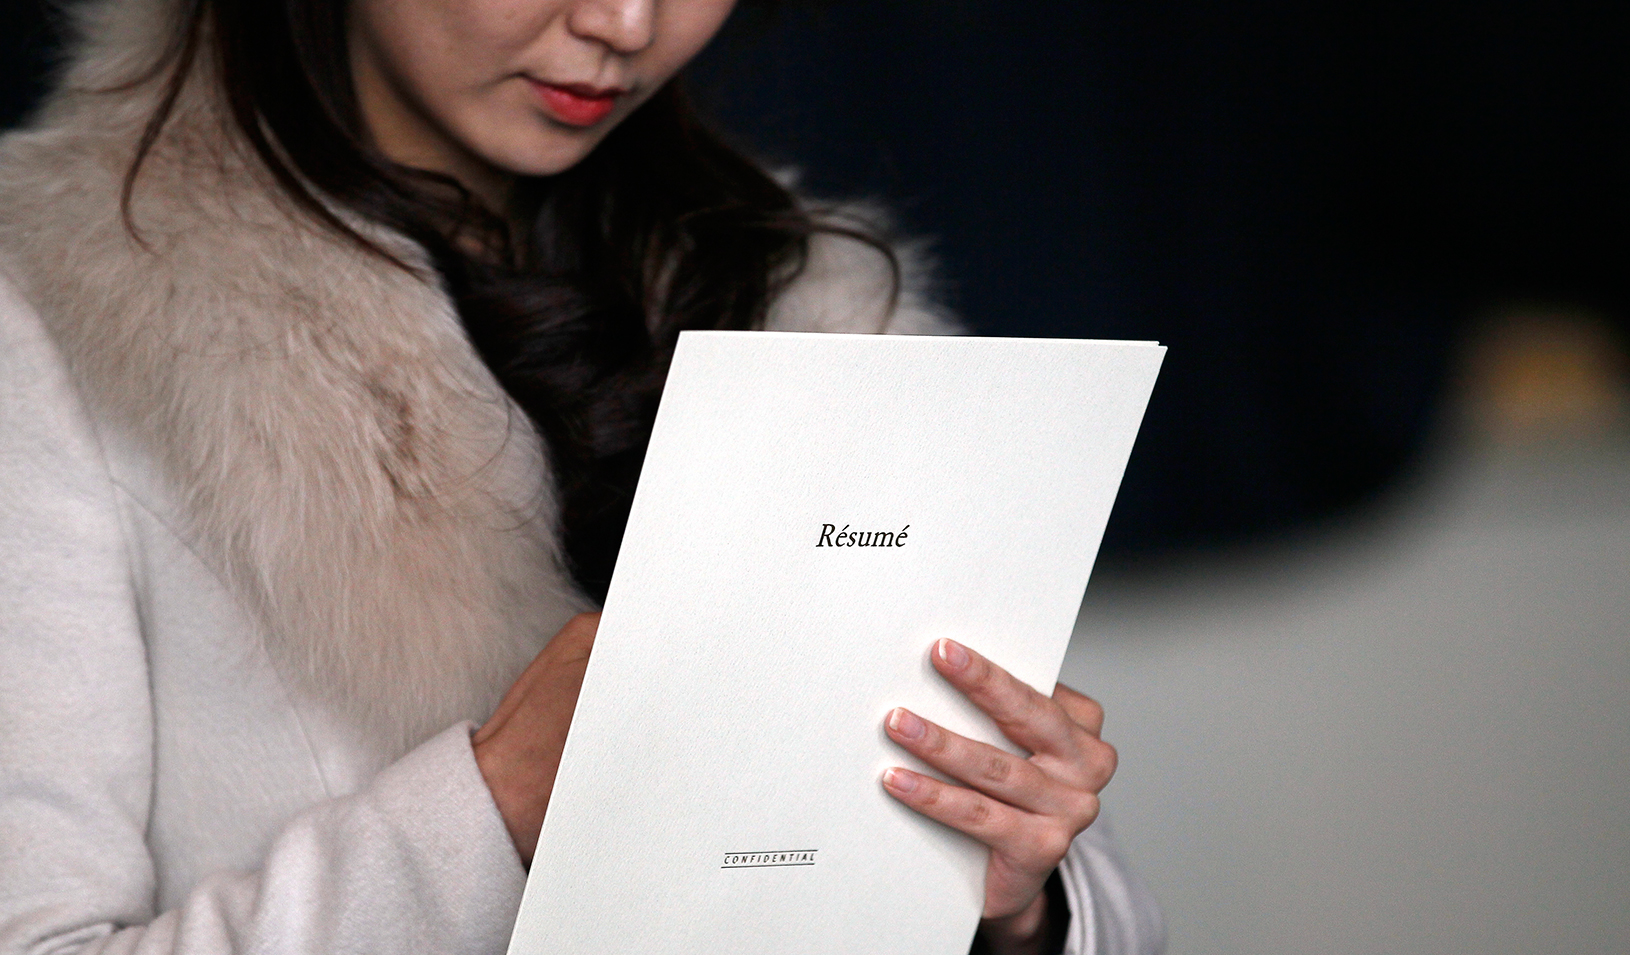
719 793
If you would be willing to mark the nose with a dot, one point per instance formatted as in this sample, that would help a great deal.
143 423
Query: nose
626 26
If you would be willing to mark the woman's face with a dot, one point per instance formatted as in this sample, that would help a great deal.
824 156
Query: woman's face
486 90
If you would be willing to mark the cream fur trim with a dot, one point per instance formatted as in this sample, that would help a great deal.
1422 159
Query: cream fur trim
344 459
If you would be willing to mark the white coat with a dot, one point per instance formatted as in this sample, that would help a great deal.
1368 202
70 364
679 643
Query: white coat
272 540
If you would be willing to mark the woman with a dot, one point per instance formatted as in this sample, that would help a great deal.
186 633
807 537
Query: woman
331 340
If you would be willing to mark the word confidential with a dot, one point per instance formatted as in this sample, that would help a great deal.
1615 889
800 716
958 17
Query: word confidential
768 860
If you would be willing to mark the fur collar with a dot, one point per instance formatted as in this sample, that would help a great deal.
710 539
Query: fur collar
343 459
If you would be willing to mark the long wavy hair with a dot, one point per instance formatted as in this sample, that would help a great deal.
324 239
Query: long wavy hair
663 227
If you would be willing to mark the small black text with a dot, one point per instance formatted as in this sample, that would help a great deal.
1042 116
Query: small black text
766 860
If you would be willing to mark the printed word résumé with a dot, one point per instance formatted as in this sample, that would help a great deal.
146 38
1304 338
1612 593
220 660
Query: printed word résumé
832 537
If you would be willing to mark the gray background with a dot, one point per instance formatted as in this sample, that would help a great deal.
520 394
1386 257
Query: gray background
1409 734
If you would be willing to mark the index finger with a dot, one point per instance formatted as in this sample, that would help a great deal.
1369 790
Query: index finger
1025 716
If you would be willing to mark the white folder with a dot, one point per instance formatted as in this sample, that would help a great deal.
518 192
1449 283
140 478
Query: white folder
814 512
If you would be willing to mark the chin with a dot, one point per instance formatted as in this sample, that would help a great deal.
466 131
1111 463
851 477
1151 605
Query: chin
548 155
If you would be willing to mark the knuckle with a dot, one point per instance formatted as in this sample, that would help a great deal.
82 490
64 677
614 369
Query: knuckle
979 666
1030 704
1057 844
1080 708
981 675
995 684
1022 709
935 741
1052 845
1084 810
929 794
1084 711
977 814
1109 759
997 769
1048 846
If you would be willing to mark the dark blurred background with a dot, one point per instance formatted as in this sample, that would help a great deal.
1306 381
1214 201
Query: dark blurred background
1305 201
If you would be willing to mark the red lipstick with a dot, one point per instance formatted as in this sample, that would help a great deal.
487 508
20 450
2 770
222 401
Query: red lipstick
577 104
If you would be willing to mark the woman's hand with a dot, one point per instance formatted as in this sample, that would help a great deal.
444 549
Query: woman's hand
518 750
1027 810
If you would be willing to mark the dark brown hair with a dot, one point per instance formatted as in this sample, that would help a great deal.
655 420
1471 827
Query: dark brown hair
664 227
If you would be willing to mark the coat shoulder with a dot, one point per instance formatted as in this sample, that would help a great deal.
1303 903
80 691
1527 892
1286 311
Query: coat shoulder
848 285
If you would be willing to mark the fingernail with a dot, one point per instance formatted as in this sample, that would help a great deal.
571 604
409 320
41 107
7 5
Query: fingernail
900 781
907 723
953 653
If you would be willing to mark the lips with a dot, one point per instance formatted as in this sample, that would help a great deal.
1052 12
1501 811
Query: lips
577 104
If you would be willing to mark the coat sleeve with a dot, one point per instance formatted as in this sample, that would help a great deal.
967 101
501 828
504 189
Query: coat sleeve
417 861
848 286
1111 910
